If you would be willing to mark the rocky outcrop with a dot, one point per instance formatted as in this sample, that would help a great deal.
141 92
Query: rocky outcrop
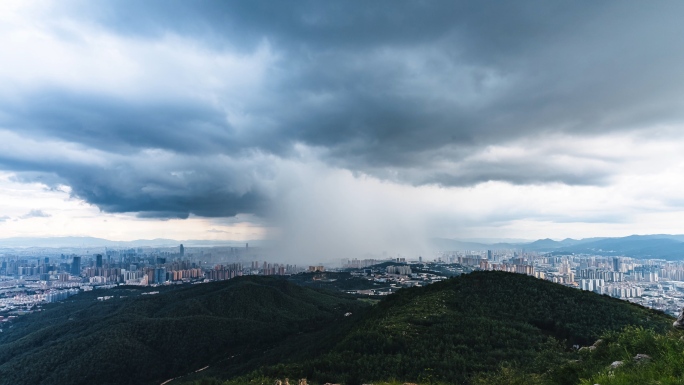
679 323
616 364
592 347
287 382
642 358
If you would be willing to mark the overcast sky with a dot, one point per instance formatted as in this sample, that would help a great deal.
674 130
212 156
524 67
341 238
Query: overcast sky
341 126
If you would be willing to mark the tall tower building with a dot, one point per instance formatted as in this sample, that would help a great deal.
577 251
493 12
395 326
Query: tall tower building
76 266
182 250
160 275
98 260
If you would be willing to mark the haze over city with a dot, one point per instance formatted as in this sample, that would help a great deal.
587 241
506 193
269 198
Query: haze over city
335 129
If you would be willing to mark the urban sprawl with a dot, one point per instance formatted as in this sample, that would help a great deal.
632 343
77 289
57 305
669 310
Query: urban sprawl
30 279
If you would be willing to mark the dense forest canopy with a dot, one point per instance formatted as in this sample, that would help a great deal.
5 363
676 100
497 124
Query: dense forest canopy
256 329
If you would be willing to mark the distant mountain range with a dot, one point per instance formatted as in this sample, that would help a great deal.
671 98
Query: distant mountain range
91 242
656 246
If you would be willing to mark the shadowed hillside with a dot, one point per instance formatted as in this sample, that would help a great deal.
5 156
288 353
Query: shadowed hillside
147 339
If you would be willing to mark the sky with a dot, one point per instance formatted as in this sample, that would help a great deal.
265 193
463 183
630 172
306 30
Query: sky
341 127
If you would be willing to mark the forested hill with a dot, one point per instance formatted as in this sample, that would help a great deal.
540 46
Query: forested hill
139 339
456 330
258 329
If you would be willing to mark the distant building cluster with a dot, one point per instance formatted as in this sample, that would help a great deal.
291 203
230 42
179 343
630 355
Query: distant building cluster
606 275
59 295
223 272
359 263
403 270
509 267
267 268
657 284
29 280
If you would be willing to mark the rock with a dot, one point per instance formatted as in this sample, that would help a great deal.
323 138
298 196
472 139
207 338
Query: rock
616 364
597 343
589 348
679 323
642 358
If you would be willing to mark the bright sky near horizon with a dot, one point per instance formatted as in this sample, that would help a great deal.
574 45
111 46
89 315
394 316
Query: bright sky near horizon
341 127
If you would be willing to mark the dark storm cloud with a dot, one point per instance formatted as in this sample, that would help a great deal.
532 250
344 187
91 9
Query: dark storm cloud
154 186
209 191
531 171
303 24
110 123
409 91
503 75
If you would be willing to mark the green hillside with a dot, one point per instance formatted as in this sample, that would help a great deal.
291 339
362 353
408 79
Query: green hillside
634 356
483 328
457 330
148 339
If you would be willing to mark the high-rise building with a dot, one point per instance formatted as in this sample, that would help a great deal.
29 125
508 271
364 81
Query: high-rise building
160 275
616 264
76 266
182 250
98 260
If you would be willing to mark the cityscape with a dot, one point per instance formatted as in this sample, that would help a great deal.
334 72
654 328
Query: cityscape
27 282
653 283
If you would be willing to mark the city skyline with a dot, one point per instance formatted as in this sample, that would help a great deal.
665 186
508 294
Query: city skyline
340 128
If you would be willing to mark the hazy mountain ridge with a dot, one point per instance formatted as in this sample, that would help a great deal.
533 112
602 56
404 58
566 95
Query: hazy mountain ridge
656 246
85 242
546 244
637 246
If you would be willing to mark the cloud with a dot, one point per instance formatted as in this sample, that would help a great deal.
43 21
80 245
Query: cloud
152 183
218 231
213 109
35 214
